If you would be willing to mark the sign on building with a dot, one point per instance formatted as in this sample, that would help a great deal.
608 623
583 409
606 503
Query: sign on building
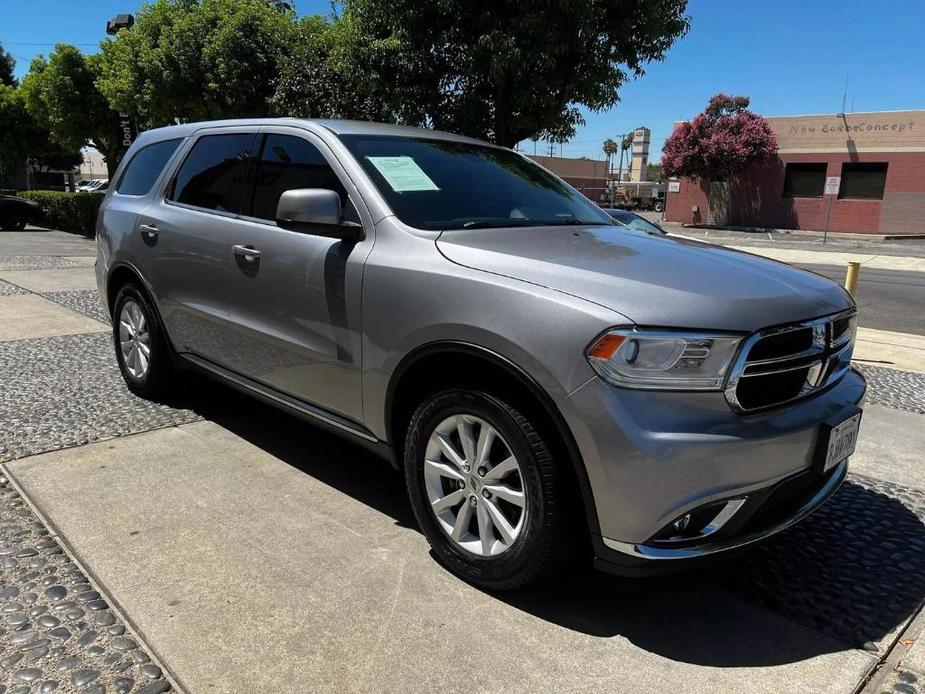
832 184
675 186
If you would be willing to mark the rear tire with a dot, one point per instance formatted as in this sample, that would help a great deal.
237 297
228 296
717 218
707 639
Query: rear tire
516 528
141 345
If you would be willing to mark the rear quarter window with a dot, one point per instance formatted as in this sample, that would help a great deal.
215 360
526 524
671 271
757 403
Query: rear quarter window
145 167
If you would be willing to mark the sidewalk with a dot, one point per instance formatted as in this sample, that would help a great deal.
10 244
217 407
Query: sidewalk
890 349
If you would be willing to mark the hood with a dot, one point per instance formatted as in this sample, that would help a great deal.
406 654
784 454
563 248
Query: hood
652 279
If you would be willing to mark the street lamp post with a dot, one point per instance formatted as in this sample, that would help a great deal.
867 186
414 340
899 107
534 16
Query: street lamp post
118 23
127 125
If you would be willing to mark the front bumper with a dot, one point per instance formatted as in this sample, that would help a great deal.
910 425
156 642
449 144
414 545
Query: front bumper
651 457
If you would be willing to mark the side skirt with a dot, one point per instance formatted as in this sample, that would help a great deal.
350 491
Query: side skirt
312 413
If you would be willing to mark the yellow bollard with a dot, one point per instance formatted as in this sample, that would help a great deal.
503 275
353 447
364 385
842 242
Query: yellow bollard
851 277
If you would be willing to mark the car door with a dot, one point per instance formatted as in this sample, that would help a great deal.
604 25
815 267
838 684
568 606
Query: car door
295 297
187 232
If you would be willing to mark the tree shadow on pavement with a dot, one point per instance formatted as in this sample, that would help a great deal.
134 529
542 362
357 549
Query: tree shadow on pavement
853 572
844 578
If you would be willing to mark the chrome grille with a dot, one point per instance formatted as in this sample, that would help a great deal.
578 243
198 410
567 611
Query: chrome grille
782 364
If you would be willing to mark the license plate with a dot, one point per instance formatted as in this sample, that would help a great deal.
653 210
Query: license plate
842 440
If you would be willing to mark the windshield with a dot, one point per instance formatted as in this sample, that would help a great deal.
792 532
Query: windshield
634 221
438 184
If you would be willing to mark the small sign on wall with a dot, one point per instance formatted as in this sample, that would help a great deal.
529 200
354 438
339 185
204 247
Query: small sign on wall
832 184
674 186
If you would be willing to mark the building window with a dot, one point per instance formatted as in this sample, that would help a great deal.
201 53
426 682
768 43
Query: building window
804 180
862 181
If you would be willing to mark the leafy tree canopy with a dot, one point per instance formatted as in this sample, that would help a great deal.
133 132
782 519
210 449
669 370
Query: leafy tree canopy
719 142
60 94
24 141
506 70
7 64
192 60
322 77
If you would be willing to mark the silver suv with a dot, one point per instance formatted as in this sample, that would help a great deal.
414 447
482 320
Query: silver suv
552 384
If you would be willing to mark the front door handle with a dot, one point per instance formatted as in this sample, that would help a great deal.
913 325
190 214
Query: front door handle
249 253
149 231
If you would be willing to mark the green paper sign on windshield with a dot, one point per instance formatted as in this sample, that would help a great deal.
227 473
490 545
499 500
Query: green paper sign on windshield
403 174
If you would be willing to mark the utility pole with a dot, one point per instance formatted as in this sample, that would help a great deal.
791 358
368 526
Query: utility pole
620 139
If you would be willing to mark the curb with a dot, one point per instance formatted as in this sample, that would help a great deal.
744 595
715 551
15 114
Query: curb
807 232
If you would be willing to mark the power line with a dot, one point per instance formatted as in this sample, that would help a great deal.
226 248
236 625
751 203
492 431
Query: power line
44 43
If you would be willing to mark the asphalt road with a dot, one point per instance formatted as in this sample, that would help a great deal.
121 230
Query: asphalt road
887 299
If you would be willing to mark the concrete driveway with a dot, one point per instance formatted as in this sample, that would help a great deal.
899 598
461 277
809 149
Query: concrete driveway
241 550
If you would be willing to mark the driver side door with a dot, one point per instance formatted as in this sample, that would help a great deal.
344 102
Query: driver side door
295 297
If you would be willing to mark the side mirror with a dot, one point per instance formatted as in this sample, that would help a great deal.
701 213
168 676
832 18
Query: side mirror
315 211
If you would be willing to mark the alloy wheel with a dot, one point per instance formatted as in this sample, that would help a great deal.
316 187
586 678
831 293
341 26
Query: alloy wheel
134 339
475 485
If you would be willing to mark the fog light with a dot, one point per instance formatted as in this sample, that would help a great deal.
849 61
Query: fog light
681 524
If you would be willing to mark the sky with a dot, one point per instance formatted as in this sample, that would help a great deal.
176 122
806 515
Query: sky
790 56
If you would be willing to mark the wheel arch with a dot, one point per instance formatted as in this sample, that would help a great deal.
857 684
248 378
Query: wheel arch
122 273
423 371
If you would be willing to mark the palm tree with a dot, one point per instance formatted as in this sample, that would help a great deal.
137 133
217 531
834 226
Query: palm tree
626 144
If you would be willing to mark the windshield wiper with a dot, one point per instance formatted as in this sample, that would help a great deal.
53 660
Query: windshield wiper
490 223
571 221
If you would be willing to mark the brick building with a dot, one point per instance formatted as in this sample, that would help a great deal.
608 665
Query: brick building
879 159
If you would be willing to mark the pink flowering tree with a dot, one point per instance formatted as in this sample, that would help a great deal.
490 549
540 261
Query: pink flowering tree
716 145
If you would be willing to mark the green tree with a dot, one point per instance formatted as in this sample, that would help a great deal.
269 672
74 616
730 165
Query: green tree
322 79
7 64
505 70
61 95
194 60
655 173
610 148
23 141
625 144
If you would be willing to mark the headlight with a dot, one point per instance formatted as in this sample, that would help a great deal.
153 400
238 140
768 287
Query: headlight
663 359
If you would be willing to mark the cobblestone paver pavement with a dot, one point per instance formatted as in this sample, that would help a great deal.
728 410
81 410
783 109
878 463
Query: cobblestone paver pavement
7 289
854 572
66 391
40 262
57 632
901 390
85 301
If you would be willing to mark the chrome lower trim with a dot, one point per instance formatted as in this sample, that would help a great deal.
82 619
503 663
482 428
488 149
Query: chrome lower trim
298 406
642 551
730 508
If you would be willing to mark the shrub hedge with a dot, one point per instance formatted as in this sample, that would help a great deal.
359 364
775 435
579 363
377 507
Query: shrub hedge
73 212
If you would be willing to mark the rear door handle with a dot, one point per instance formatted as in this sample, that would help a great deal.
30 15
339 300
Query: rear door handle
149 230
251 255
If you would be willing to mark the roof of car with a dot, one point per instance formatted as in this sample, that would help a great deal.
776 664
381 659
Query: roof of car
338 127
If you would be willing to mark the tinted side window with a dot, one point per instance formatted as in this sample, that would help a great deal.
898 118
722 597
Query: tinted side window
288 162
208 175
144 168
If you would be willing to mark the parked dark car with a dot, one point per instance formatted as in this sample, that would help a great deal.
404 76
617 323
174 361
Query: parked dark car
15 212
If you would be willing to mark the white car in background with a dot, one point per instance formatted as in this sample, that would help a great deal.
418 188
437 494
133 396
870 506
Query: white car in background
95 184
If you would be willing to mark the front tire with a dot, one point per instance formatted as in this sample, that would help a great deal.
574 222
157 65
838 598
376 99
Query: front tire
485 489
141 346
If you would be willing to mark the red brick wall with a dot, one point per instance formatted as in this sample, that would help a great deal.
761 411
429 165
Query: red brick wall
757 197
